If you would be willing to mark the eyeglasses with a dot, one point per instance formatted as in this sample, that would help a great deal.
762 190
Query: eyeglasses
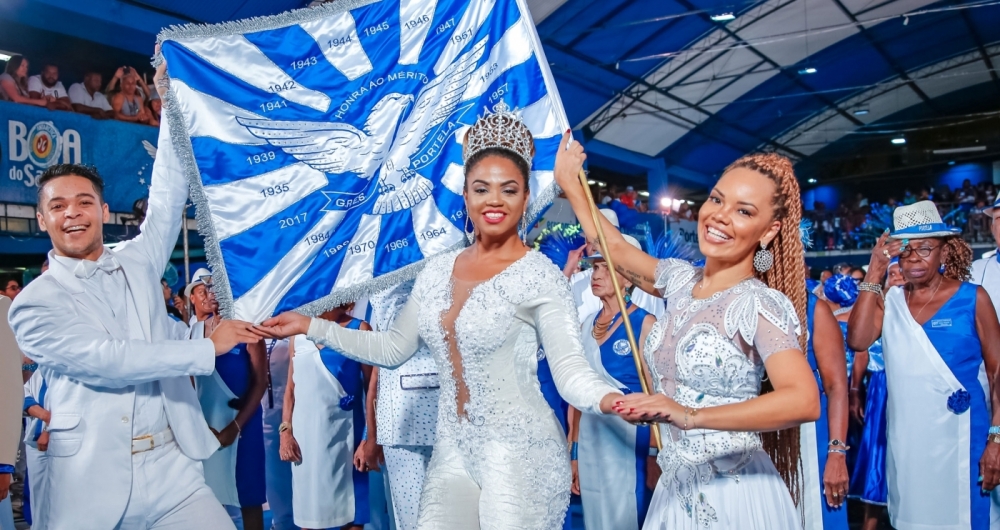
923 252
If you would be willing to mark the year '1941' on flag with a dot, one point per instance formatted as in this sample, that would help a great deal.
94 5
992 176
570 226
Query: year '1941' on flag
324 147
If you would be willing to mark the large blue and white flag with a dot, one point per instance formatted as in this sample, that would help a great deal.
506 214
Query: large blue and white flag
324 144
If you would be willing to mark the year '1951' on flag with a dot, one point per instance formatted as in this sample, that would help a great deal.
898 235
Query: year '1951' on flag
324 145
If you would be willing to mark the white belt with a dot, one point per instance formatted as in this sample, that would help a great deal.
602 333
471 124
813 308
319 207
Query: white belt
149 441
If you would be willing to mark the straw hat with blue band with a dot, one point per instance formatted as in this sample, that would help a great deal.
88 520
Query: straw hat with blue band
920 220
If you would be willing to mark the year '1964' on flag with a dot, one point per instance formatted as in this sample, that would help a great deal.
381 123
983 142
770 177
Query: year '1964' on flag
323 145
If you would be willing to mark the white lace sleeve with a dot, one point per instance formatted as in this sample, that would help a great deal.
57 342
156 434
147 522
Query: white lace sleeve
672 274
558 327
764 318
386 349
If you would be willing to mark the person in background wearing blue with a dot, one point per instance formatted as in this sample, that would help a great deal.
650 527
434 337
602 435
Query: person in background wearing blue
824 453
322 424
868 483
230 399
614 462
36 441
841 291
941 346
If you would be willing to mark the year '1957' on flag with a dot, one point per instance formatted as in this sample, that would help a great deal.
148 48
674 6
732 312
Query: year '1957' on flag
323 145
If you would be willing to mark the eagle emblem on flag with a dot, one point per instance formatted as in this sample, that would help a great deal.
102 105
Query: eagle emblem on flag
324 145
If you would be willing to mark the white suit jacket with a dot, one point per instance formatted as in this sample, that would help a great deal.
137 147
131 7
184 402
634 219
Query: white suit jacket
986 272
91 365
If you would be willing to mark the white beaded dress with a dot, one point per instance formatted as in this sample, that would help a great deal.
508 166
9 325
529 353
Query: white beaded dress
710 352
500 459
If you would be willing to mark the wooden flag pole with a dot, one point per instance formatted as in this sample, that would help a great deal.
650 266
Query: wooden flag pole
639 368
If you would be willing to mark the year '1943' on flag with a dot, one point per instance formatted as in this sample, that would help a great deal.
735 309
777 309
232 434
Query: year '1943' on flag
323 145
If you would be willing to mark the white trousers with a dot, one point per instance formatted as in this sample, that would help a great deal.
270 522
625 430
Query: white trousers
277 473
37 462
406 466
169 492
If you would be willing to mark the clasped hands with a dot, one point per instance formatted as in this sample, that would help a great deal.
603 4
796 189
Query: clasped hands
639 408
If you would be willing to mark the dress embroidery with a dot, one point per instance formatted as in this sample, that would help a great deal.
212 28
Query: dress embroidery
713 355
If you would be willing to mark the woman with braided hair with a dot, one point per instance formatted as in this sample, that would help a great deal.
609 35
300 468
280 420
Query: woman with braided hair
941 350
725 325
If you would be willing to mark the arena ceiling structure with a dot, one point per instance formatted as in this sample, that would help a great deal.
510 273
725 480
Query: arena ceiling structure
678 89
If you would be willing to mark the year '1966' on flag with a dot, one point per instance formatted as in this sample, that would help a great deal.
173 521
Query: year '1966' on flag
324 147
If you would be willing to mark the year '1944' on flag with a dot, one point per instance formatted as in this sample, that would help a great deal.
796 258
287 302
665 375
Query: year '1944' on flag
323 145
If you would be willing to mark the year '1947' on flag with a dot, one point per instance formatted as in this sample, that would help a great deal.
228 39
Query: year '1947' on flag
324 147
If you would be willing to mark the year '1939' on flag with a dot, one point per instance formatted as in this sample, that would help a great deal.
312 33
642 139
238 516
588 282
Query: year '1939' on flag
324 147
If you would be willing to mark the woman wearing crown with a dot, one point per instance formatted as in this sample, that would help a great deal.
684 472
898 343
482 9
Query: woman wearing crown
500 460
941 349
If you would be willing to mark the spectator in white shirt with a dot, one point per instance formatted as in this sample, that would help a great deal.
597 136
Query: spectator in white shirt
88 99
47 86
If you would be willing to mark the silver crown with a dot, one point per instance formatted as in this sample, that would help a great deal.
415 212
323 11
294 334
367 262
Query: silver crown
500 129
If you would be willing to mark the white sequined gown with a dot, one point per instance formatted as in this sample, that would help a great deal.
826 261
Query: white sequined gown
503 463
710 352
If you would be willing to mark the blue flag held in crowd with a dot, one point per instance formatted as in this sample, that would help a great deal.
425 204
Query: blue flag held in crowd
324 145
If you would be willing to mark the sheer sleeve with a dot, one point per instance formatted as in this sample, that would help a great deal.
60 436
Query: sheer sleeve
386 349
556 322
778 326
771 339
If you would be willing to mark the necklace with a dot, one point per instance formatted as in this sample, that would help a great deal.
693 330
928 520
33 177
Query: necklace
917 316
600 330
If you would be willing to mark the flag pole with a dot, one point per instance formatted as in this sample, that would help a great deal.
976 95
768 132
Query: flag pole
639 367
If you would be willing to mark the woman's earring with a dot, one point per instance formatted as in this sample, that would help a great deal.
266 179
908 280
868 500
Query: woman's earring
523 228
941 268
470 234
763 260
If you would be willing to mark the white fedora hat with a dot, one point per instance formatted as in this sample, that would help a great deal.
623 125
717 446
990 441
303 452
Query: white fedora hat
920 220
201 276
611 216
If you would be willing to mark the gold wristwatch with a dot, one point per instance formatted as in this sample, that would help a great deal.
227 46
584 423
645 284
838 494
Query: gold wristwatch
284 426
995 438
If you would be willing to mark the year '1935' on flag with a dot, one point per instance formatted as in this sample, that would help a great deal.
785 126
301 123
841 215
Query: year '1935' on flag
324 145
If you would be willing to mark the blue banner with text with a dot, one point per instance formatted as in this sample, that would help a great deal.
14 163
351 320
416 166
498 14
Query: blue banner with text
33 139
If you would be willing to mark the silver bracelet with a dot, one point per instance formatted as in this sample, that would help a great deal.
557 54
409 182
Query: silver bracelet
870 287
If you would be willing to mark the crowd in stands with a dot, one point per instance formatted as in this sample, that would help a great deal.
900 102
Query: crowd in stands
126 97
857 224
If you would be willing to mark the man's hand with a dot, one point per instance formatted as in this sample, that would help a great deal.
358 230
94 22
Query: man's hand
4 485
228 435
43 441
230 333
161 81
284 325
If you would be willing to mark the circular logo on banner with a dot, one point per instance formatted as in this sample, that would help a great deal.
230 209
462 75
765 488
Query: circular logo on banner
621 347
43 144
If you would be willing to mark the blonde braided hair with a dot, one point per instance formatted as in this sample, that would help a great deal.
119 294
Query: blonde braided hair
788 276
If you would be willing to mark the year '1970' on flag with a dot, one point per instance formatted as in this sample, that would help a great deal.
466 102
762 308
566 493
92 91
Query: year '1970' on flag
324 147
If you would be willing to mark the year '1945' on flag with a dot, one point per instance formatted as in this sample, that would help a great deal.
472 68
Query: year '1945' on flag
324 145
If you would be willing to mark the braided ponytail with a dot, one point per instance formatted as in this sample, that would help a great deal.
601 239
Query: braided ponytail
788 276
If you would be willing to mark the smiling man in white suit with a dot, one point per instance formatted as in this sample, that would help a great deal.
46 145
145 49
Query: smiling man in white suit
126 435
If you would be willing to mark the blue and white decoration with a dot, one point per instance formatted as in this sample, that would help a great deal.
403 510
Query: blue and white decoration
324 144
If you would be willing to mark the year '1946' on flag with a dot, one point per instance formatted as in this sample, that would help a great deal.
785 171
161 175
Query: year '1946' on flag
324 147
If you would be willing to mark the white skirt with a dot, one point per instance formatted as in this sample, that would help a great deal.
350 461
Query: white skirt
759 500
